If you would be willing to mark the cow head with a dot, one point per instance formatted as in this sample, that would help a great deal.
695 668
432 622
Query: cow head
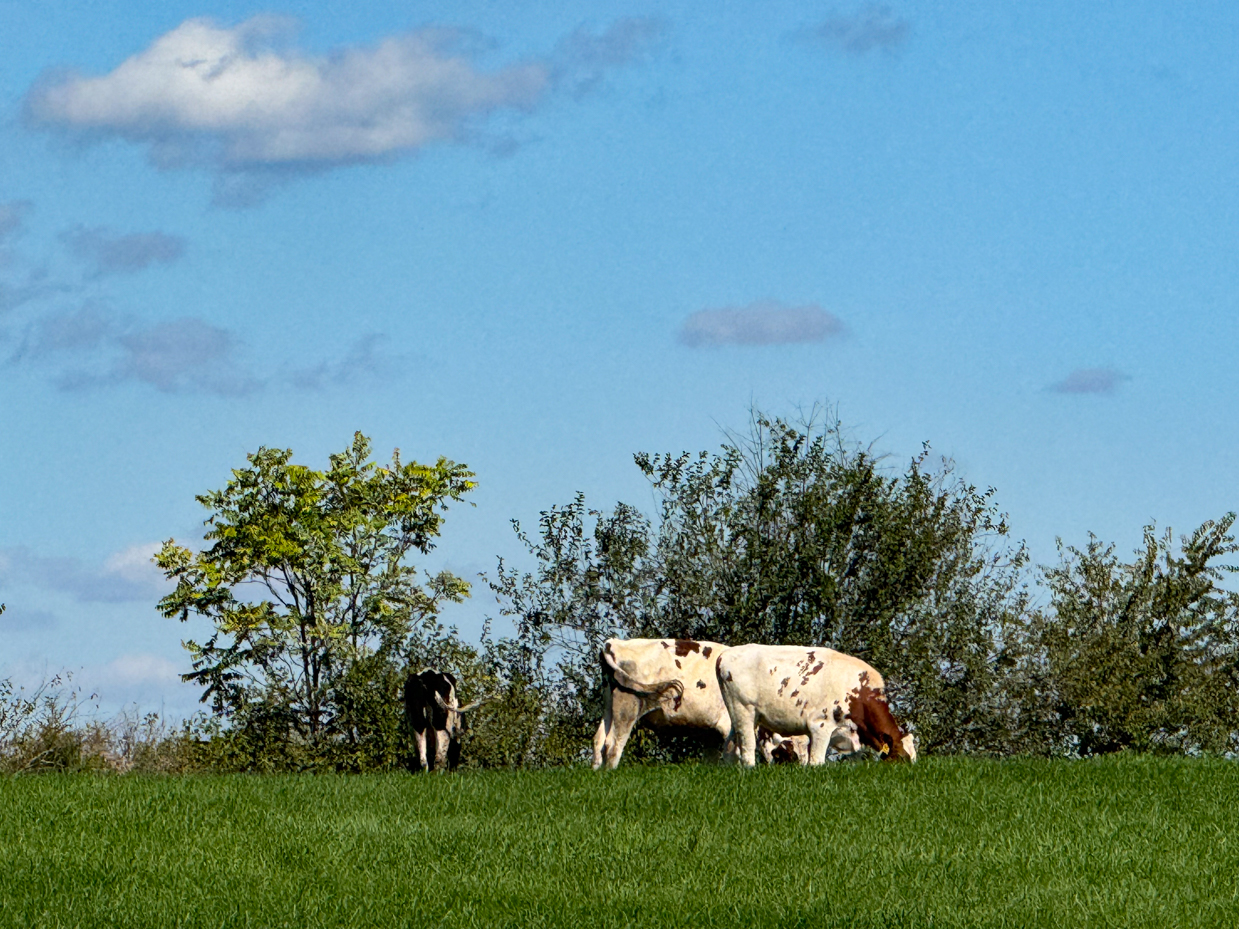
876 726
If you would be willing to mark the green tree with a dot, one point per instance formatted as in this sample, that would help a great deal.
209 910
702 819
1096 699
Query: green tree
1145 654
309 589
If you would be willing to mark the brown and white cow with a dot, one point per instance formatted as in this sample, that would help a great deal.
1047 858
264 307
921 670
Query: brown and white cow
435 718
831 697
794 749
669 682
781 749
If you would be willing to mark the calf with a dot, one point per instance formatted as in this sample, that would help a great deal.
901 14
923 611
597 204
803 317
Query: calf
794 749
435 718
778 749
835 699
669 682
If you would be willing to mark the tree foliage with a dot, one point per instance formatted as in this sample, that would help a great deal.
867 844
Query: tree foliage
308 585
1145 655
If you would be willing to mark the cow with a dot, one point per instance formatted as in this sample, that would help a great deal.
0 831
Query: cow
778 749
669 682
435 718
794 749
833 698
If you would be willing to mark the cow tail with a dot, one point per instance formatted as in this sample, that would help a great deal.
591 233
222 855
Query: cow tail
629 683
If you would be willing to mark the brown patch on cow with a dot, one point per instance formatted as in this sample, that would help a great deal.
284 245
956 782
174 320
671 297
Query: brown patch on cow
875 725
684 646
803 681
666 645
783 685
677 664
794 693
705 652
817 667
701 684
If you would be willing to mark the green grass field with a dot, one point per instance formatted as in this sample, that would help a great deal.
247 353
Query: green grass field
949 842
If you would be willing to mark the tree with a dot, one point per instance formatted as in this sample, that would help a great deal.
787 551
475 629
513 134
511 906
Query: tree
1145 655
326 555
792 534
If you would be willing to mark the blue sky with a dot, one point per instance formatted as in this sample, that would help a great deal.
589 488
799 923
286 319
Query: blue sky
539 238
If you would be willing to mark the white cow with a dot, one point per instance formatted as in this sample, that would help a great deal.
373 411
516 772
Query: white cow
671 682
819 692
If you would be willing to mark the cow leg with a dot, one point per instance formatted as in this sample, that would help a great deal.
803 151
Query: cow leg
819 740
604 728
600 739
453 754
730 752
423 760
442 740
626 710
766 745
744 732
432 749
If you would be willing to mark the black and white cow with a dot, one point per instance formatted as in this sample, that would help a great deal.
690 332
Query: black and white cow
435 718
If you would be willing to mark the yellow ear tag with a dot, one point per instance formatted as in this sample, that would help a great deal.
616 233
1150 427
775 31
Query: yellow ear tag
886 749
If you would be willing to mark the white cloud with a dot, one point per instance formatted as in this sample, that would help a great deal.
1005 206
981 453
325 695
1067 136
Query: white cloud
762 323
1090 381
240 99
203 83
126 576
136 564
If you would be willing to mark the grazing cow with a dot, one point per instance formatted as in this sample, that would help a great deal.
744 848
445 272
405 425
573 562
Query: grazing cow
435 718
669 682
834 699
779 749
794 749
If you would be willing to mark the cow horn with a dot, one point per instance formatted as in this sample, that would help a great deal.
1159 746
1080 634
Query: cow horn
444 704
475 704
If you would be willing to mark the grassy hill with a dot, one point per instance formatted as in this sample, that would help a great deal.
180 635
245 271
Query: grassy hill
949 842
